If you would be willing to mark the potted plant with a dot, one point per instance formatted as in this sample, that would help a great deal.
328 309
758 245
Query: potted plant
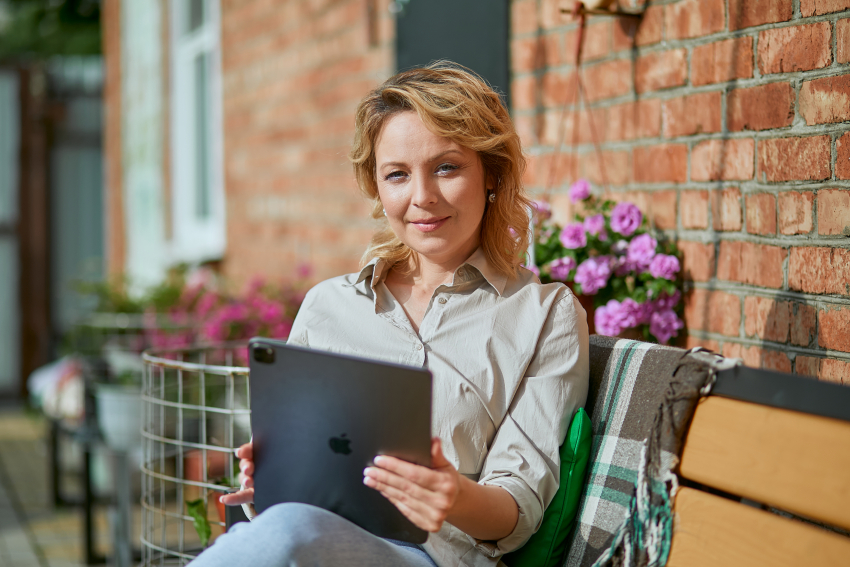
613 261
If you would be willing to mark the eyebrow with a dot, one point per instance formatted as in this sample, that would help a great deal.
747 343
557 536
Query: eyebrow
432 159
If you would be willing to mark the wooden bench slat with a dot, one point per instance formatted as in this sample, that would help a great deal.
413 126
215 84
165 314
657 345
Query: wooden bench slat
792 461
711 531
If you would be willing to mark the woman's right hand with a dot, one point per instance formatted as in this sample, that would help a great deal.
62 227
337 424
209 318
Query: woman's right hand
246 477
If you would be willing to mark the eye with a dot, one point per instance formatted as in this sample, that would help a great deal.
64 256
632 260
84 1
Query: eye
395 176
446 168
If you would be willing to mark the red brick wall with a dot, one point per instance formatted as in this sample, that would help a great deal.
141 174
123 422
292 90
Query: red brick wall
293 73
113 186
727 122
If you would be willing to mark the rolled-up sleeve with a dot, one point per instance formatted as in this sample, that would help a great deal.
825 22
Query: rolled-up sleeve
524 456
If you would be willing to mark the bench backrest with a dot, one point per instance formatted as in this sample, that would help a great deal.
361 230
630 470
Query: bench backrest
780 459
758 437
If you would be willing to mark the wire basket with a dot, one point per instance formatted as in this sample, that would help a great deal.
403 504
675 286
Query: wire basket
195 413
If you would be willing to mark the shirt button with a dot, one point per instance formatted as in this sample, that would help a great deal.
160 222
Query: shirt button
442 300
418 347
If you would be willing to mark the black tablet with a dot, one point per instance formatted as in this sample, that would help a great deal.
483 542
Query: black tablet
318 419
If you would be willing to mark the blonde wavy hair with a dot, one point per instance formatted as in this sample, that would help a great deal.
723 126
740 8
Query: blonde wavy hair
453 102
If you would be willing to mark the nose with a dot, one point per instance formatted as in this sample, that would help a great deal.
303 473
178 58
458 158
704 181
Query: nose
426 190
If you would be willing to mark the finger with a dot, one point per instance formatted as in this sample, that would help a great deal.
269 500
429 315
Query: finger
429 505
240 497
427 524
246 467
419 475
438 460
387 478
246 451
246 481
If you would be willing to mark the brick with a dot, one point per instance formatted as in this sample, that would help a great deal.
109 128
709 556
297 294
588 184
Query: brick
751 263
663 209
713 311
788 159
749 13
818 7
834 328
661 163
775 360
523 16
795 212
597 41
697 260
761 213
750 355
824 101
694 209
615 169
807 366
524 93
819 270
710 344
722 61
760 108
556 87
795 48
694 18
834 211
726 209
694 114
803 323
714 160
842 157
623 34
826 369
651 26
661 70
641 119
527 54
842 41
609 79
767 319
831 370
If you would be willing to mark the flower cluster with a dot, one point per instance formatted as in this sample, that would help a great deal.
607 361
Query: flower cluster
203 313
608 253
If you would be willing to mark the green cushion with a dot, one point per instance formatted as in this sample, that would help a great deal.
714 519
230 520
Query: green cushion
546 546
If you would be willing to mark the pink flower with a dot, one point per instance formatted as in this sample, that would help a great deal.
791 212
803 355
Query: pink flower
639 255
626 218
573 236
579 191
303 270
607 319
595 225
560 269
593 274
664 266
665 325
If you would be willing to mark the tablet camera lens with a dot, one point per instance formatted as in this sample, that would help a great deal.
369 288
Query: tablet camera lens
264 354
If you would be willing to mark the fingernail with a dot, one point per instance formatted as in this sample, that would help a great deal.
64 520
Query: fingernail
366 480
366 471
236 452
221 499
377 460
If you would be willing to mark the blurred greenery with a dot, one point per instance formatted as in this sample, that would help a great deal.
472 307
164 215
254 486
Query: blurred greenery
113 295
42 28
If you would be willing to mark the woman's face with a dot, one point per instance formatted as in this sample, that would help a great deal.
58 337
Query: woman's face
432 188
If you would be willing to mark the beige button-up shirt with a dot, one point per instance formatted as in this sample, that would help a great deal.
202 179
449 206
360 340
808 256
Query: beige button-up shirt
509 358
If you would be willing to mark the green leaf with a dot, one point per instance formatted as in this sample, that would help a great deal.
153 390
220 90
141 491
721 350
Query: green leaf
197 509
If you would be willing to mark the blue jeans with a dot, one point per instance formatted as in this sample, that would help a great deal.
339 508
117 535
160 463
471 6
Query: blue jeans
297 535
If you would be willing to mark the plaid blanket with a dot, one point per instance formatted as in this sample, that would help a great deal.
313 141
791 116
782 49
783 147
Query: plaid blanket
641 400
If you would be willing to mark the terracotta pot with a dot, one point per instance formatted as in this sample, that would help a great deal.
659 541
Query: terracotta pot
193 465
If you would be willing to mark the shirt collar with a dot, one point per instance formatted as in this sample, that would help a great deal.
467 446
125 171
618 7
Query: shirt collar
376 271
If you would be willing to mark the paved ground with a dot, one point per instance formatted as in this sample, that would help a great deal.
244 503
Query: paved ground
32 532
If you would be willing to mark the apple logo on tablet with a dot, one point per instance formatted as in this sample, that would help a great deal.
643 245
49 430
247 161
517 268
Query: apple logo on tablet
340 444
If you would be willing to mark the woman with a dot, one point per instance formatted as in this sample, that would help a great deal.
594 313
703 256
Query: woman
436 153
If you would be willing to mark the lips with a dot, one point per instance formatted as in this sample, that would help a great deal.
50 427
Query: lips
429 224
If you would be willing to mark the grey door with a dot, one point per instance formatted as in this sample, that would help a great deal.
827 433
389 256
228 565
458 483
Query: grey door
10 349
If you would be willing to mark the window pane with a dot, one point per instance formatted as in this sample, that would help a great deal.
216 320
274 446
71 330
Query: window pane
195 14
202 143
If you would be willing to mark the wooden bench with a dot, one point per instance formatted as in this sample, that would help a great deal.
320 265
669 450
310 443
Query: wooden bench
764 471
780 442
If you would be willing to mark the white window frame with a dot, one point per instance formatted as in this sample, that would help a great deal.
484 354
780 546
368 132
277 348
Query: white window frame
195 239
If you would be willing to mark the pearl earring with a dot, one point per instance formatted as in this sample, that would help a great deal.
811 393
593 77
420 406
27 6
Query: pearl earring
385 212
492 197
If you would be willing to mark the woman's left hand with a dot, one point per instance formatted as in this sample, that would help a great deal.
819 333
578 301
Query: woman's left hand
424 495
